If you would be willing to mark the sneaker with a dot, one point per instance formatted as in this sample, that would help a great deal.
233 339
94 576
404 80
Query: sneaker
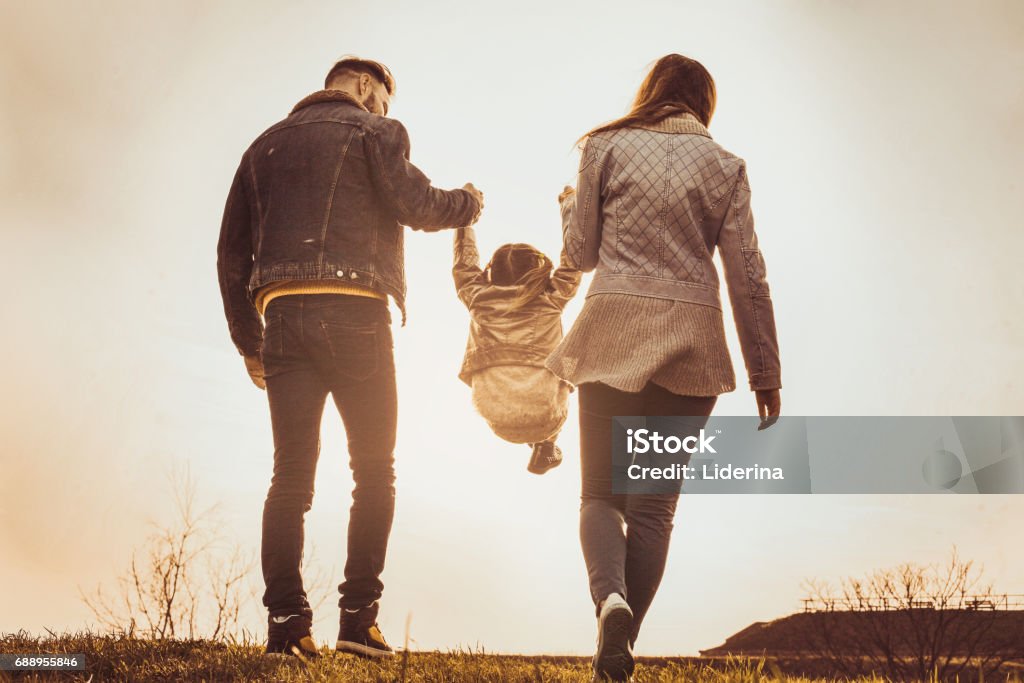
614 657
546 455
360 635
291 635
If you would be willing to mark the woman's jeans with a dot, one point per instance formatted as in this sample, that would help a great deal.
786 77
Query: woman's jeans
315 345
625 538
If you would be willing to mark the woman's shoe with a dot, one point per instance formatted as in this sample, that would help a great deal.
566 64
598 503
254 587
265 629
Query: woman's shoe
614 657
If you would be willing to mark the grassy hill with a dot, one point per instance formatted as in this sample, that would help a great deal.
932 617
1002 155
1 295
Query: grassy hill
792 634
131 659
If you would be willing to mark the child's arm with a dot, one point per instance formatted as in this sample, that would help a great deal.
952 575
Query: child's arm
466 269
564 281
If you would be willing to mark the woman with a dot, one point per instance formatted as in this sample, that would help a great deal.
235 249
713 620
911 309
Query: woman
655 197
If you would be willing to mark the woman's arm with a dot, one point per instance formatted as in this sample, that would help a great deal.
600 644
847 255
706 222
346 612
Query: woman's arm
581 211
466 269
745 276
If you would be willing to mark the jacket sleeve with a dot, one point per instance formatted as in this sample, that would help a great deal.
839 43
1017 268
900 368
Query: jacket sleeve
466 269
234 266
564 281
745 276
581 211
407 190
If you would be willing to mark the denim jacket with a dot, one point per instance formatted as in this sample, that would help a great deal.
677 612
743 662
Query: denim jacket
323 195
652 206
498 335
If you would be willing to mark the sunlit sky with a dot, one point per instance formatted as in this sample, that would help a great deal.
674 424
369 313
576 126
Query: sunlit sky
885 154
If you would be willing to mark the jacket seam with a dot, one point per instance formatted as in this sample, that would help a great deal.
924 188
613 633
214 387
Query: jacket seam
686 283
663 210
746 276
649 295
259 215
384 175
296 124
330 202
726 194
592 151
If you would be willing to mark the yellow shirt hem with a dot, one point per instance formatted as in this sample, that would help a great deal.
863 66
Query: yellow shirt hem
269 292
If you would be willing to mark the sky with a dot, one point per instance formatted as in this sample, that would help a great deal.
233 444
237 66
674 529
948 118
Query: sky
885 155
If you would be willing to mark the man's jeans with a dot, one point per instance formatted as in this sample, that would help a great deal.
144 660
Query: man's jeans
625 538
315 345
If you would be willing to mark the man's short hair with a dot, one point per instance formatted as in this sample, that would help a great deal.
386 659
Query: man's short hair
354 64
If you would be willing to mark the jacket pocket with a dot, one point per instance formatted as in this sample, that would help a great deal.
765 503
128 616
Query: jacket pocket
354 347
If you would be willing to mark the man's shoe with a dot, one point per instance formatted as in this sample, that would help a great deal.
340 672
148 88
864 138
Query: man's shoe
614 657
291 635
546 455
360 635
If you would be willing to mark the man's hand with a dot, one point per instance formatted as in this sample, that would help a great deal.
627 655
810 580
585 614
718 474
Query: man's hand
254 366
469 187
769 405
567 192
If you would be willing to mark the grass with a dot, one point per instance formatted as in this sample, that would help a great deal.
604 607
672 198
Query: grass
114 658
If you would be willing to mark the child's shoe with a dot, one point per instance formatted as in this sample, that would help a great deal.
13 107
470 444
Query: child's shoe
546 454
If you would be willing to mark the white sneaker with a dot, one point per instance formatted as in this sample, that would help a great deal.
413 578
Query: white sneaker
614 657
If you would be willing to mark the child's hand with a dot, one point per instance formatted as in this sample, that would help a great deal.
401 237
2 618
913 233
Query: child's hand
567 192
479 196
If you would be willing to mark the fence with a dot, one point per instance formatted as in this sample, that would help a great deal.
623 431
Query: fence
992 602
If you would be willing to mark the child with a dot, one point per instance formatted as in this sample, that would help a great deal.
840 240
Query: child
515 305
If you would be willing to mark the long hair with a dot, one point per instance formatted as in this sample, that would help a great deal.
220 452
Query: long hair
521 265
674 85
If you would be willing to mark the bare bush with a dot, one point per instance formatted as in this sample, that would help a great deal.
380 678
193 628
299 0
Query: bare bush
913 622
183 583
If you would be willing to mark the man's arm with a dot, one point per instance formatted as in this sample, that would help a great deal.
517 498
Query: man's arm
466 268
407 190
234 266
581 211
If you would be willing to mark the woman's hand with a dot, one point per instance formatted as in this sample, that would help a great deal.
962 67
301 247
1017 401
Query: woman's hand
769 405
567 192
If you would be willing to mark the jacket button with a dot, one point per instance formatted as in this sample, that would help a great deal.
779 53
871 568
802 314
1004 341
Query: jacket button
354 275
341 273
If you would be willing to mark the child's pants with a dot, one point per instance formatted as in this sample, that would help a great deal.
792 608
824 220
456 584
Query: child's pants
522 404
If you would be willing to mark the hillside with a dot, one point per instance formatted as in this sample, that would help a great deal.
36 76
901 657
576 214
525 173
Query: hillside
803 633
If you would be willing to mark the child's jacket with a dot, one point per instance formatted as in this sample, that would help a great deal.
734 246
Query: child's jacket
497 335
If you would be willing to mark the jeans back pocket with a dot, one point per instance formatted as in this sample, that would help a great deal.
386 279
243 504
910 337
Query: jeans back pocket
354 347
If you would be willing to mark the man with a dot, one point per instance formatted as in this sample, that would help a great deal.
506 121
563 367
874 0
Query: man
312 240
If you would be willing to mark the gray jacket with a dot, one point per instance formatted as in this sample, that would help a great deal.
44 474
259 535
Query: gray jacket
651 207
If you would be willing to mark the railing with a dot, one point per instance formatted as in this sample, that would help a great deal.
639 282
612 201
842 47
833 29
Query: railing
1002 601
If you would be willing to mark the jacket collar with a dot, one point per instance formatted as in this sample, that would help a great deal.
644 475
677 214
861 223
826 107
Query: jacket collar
321 96
680 123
